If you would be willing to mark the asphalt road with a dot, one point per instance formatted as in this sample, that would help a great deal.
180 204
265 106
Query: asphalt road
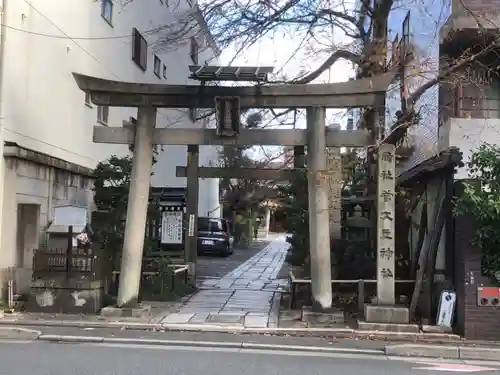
35 358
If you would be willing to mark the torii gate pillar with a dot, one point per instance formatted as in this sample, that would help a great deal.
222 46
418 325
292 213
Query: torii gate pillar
137 208
319 221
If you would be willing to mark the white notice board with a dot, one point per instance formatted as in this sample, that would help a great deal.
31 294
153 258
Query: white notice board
171 227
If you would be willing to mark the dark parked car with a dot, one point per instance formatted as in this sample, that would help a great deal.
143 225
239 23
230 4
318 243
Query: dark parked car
214 236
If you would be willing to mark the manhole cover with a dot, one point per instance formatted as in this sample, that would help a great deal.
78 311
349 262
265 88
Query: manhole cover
225 318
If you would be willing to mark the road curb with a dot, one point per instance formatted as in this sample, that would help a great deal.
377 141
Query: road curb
479 353
205 344
312 349
434 338
82 324
429 351
443 351
20 332
397 350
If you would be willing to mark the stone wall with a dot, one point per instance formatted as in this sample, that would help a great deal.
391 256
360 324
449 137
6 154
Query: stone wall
31 191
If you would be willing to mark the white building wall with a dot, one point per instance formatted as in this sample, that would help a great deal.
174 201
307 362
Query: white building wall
172 156
164 176
169 157
468 134
43 110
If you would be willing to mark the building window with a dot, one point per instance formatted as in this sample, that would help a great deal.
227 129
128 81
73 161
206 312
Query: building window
193 50
73 180
164 71
107 10
83 182
87 99
103 114
157 66
139 50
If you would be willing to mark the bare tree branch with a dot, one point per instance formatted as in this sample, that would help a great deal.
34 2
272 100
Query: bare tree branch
337 55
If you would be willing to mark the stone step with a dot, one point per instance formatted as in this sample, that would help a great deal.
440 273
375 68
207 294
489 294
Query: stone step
388 327
436 329
387 314
327 318
141 311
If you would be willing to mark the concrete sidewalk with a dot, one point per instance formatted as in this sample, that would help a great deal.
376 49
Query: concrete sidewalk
328 333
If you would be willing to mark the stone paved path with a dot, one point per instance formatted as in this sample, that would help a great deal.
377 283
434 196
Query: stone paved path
248 295
216 267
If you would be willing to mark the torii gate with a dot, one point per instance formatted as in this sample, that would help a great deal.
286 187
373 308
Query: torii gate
148 97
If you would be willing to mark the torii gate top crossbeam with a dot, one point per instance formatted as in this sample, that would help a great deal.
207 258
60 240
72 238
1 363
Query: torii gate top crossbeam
357 93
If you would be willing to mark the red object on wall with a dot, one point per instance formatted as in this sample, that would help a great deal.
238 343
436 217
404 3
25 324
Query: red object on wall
489 291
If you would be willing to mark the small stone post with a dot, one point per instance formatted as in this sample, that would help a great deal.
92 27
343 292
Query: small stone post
319 229
137 208
267 221
191 239
249 227
386 165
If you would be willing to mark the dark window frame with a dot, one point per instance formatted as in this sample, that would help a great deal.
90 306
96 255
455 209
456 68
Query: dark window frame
194 50
88 101
104 4
103 114
157 64
139 50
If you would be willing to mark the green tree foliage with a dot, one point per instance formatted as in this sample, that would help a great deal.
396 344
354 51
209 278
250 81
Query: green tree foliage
481 200
295 206
111 188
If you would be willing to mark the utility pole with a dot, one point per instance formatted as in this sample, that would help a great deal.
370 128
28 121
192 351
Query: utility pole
3 21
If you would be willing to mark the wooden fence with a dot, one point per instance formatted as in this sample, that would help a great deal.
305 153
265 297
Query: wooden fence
59 262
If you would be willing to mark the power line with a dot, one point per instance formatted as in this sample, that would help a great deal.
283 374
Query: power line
54 36
75 39
66 36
